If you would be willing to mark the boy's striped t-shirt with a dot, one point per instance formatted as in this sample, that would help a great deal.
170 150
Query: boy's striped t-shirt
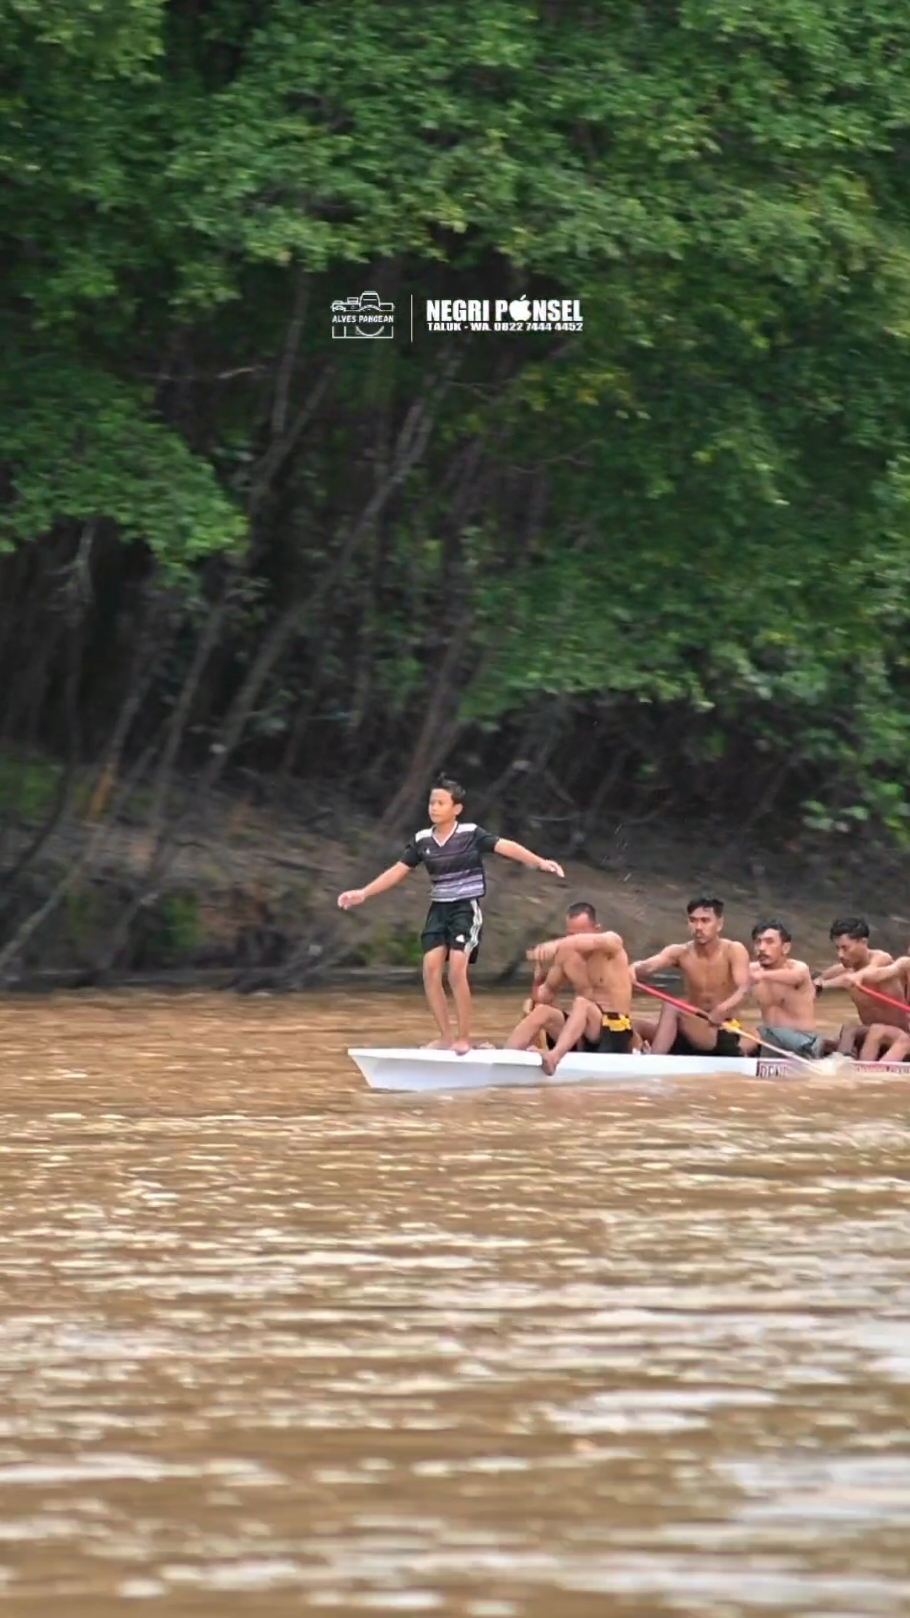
455 867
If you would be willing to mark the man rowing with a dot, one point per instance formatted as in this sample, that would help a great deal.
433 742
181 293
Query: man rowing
717 976
881 1030
593 964
892 979
785 994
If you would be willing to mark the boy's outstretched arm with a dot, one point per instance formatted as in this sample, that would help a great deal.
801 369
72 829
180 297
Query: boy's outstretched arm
517 851
379 884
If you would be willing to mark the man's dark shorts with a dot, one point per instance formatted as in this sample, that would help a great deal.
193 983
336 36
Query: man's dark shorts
614 1039
455 924
728 1044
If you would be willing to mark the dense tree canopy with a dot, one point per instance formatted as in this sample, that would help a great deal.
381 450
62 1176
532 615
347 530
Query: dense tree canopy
661 561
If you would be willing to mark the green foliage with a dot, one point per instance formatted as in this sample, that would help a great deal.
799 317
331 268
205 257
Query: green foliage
390 946
99 38
720 462
80 435
179 916
28 787
85 448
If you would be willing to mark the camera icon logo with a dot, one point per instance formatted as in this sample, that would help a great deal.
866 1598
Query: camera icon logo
365 316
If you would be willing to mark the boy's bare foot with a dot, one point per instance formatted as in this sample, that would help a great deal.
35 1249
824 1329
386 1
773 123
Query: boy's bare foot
548 1063
462 1046
438 1045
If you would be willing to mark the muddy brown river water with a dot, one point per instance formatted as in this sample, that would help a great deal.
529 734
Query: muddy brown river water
272 1344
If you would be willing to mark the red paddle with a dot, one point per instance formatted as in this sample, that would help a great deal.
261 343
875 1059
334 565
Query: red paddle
824 1065
886 999
681 1005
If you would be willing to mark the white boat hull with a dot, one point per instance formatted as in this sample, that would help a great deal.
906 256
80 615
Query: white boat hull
413 1069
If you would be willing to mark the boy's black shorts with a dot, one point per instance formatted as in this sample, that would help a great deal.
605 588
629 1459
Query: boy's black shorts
455 923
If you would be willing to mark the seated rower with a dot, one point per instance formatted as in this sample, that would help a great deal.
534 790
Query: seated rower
542 1020
594 964
892 979
717 977
785 994
881 1030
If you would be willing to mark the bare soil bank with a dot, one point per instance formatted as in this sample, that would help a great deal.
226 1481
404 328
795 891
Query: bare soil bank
247 895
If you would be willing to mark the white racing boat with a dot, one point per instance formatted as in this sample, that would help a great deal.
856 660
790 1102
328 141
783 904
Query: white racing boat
416 1069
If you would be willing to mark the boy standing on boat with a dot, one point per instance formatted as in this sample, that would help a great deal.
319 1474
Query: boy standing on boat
453 852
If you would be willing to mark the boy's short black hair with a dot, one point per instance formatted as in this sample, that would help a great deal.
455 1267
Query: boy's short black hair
706 902
582 908
773 926
849 927
447 783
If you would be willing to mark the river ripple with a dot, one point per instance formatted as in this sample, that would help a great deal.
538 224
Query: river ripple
270 1343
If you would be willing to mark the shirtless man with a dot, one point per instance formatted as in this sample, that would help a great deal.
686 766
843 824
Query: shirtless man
893 979
881 1029
716 973
785 993
594 964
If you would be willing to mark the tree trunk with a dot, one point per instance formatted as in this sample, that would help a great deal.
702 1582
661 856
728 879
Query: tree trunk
180 717
409 449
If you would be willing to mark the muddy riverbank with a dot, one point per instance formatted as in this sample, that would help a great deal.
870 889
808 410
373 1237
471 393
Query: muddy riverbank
245 898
